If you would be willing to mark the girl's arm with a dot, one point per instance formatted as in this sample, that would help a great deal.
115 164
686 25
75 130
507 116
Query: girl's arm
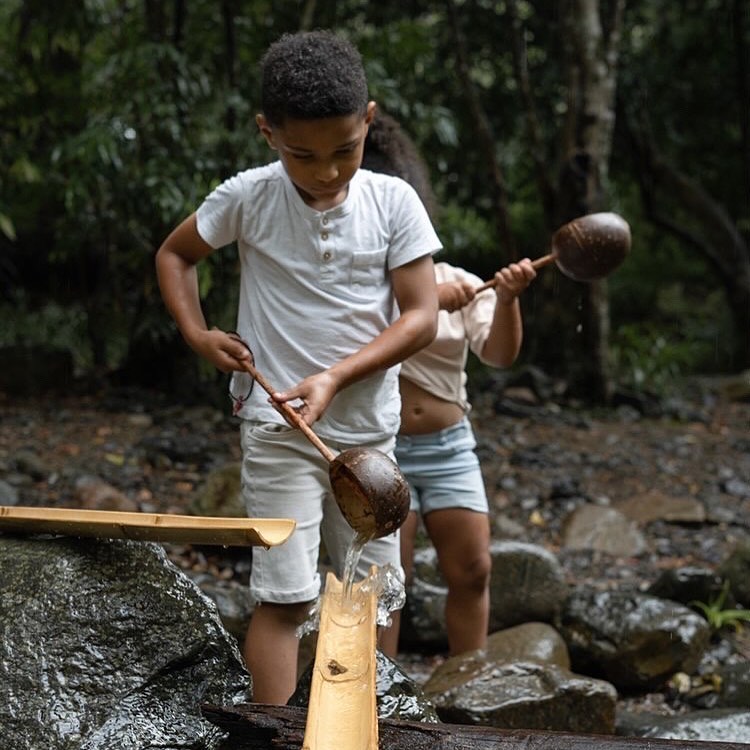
506 331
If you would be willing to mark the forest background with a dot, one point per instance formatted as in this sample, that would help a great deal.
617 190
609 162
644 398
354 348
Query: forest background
117 117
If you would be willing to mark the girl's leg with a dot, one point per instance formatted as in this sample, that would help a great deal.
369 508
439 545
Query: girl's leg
388 637
462 540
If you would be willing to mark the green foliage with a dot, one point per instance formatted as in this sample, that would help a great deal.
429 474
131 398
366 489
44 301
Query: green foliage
468 239
117 118
717 616
51 323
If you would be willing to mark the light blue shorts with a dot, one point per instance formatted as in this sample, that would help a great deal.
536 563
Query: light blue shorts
442 469
284 476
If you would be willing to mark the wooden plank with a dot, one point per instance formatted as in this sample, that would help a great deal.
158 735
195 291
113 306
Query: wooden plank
152 527
342 712
256 726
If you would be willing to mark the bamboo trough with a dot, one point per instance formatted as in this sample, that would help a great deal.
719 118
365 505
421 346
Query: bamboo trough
342 712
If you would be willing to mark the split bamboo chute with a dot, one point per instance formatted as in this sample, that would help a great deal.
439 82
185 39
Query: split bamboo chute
152 527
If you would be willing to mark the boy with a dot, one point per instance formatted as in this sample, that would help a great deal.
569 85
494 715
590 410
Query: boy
337 287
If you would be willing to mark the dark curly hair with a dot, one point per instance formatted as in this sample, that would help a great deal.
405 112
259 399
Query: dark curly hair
311 75
388 149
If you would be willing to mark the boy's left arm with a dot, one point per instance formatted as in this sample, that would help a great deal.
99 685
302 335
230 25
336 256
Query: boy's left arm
416 293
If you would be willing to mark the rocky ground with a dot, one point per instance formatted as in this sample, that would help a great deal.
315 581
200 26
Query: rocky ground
135 451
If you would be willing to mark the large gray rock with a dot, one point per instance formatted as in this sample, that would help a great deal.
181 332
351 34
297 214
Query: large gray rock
532 641
220 494
632 640
106 644
527 695
603 529
527 584
500 686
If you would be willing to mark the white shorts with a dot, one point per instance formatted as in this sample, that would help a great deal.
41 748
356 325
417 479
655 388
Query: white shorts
284 476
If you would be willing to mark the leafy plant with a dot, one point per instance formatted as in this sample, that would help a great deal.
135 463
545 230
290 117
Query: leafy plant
717 616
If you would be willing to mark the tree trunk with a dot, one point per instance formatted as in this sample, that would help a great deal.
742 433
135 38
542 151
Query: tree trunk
592 75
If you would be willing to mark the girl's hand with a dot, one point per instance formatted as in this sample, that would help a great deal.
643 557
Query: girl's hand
512 280
453 295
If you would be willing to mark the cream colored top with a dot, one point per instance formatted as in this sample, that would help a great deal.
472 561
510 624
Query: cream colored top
439 368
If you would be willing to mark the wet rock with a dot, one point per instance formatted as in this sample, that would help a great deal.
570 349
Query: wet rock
528 695
603 529
233 601
532 641
93 493
506 528
735 686
193 449
423 616
106 644
735 568
632 640
397 695
30 463
686 585
527 584
219 495
655 505
715 725
736 487
8 493
641 401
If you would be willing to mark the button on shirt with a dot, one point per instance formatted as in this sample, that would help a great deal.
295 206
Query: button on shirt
315 286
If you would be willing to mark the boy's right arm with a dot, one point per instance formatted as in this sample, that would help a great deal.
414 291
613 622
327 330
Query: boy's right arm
176 262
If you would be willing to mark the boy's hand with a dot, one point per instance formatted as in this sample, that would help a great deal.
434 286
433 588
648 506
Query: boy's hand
512 280
453 295
225 351
315 393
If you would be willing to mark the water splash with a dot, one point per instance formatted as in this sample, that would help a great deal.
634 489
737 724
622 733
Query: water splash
386 582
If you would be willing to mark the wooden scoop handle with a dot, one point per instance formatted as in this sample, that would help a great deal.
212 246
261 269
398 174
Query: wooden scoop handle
545 260
291 414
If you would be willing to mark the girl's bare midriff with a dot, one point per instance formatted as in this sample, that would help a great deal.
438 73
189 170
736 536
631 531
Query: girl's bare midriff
421 412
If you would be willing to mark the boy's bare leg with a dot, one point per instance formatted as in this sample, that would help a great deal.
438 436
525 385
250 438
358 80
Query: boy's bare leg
388 637
462 539
271 648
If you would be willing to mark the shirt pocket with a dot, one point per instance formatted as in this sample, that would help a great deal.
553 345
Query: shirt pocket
368 267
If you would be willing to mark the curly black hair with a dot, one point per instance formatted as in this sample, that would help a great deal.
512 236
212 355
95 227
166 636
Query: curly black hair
312 75
388 149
